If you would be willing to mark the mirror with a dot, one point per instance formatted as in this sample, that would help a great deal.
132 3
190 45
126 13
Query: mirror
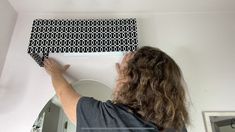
52 117
219 121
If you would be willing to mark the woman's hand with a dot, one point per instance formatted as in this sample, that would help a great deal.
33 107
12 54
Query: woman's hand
121 66
54 68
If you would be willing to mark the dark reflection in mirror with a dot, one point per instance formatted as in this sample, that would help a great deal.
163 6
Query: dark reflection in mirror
219 121
223 123
52 117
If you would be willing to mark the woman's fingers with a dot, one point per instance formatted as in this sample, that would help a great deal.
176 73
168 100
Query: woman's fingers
52 66
129 56
45 62
54 62
117 67
125 57
50 62
66 67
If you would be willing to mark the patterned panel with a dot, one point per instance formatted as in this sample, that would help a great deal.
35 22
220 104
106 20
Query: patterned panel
82 36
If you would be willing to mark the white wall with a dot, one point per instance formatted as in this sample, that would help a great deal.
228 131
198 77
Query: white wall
7 23
124 6
199 35
201 43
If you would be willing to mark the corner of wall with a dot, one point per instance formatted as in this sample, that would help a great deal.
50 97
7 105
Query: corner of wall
7 26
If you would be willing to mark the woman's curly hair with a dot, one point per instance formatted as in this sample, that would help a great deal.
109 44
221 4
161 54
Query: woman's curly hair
154 89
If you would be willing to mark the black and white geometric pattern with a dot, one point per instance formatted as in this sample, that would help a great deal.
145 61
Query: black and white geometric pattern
81 36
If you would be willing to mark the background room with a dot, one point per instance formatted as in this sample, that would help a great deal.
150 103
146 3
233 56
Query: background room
199 35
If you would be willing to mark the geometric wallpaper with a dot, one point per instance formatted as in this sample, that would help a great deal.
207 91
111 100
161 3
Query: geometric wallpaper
81 36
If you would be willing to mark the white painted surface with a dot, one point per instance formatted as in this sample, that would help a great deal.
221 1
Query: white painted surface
7 23
117 6
201 43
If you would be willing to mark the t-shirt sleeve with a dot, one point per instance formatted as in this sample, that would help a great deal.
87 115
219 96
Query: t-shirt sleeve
97 116
89 113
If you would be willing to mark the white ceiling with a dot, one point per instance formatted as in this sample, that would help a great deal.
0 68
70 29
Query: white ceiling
123 5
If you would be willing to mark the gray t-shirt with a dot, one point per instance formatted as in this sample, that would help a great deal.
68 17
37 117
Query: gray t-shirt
97 116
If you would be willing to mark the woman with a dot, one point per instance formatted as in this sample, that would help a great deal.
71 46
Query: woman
149 96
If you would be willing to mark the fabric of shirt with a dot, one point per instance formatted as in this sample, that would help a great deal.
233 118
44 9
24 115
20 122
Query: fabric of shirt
97 116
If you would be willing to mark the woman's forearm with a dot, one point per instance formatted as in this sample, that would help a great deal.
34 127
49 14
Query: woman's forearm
59 83
67 95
